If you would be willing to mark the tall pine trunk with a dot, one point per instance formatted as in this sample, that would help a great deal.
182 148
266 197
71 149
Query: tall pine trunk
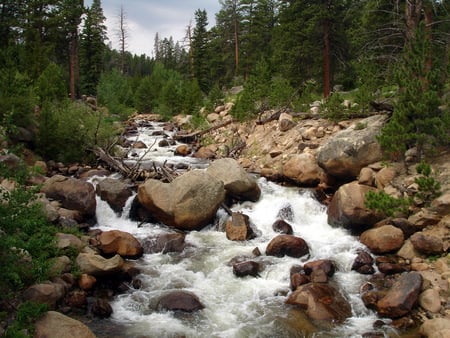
326 58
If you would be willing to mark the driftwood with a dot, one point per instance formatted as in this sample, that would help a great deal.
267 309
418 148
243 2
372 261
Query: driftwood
187 138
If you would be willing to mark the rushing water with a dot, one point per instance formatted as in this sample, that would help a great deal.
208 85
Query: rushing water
238 307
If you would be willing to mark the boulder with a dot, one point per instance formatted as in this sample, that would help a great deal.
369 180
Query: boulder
101 308
246 268
86 282
391 264
238 227
168 242
189 202
285 122
384 177
119 242
56 325
321 302
64 241
180 301
183 150
347 208
363 263
366 176
430 300
401 297
282 226
115 192
436 328
45 293
427 244
304 170
74 194
384 239
349 150
237 182
287 245
97 265
320 270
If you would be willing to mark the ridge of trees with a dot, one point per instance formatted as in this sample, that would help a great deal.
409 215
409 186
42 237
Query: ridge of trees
285 53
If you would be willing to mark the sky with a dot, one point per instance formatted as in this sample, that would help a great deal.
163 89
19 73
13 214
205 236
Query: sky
145 18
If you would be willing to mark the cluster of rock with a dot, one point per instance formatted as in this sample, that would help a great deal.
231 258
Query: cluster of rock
345 159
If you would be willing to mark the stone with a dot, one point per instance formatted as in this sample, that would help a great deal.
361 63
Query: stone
366 176
363 263
165 243
321 302
64 241
183 150
237 182
285 122
180 301
119 242
349 150
441 204
101 308
430 300
189 202
86 282
427 244
97 265
115 192
435 328
325 265
45 293
390 265
246 268
402 297
56 325
287 245
73 194
304 170
384 239
238 227
283 227
347 208
384 177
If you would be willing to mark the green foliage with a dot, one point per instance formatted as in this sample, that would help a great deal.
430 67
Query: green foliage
26 241
114 92
215 98
50 86
429 188
69 130
385 204
17 98
27 314
417 120
333 108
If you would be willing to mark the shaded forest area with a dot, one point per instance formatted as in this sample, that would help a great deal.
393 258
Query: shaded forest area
285 54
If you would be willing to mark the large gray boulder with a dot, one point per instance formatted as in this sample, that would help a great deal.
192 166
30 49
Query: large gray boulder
96 265
73 194
348 151
189 202
237 182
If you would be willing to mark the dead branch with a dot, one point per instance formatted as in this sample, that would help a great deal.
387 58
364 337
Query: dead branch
192 136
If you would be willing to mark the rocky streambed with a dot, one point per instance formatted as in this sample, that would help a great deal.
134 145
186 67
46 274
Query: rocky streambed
149 249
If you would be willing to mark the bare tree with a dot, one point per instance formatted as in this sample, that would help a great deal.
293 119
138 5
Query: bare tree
122 33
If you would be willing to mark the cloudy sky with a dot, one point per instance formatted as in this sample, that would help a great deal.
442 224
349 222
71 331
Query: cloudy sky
145 18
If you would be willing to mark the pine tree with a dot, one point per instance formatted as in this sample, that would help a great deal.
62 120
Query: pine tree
200 50
92 48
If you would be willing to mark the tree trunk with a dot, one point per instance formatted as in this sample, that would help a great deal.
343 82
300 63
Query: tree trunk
413 10
326 58
73 66
236 40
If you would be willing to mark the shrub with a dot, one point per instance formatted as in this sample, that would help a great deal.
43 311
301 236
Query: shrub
386 204
429 188
69 130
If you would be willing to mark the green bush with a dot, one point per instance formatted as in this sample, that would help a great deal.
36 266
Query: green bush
429 188
115 93
68 131
27 313
385 204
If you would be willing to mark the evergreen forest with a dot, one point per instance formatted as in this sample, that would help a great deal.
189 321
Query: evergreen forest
285 54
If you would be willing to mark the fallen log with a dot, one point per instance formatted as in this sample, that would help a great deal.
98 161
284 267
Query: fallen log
188 138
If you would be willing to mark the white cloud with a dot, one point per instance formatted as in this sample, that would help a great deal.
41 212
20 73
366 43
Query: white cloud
145 18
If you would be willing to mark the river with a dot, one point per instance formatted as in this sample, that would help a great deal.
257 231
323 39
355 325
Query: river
236 307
